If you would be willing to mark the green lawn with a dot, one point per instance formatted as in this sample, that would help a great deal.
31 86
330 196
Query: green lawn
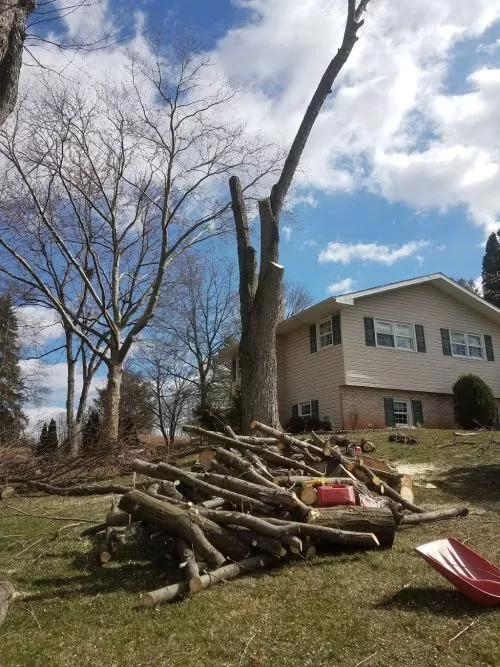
335 610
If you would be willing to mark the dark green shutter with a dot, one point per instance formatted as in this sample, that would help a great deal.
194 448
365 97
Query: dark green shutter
417 412
389 411
233 370
369 331
315 409
445 340
295 410
419 333
313 343
489 348
336 333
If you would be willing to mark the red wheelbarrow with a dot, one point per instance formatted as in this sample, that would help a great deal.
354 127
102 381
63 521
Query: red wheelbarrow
473 575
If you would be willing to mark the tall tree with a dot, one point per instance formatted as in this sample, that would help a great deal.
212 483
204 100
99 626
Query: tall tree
491 270
296 298
137 411
12 418
469 284
261 294
52 439
118 186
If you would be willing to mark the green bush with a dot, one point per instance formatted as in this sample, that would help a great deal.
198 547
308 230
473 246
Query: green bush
473 402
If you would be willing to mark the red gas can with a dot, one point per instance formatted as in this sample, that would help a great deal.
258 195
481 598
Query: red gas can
335 494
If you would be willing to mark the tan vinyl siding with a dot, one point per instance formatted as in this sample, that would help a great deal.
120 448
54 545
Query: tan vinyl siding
431 371
304 376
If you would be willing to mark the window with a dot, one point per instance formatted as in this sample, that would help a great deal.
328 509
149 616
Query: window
305 409
325 333
401 413
466 345
395 334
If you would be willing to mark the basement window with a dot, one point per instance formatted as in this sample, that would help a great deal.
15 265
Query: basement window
401 413
305 409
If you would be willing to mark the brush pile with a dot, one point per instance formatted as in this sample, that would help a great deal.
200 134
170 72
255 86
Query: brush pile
253 502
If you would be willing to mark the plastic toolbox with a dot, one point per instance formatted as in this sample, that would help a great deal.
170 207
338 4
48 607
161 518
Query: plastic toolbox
335 494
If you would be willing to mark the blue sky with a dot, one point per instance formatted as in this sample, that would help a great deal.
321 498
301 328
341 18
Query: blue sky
401 176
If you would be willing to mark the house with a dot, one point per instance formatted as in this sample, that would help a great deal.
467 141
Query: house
386 356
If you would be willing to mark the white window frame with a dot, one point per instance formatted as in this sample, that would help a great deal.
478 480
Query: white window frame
309 414
376 320
408 412
467 345
323 321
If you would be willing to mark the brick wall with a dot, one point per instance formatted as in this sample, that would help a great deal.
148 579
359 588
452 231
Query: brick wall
363 407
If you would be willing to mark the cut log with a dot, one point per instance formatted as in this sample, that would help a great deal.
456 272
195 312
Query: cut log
80 490
301 480
244 467
226 573
403 438
437 515
308 495
187 559
205 458
329 535
367 446
384 489
272 496
167 471
175 518
379 521
266 454
6 592
261 542
285 438
406 489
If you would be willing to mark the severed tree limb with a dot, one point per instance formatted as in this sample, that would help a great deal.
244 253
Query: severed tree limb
275 496
268 455
167 471
437 515
329 535
302 445
79 490
226 573
174 518
302 480
187 559
384 489
245 467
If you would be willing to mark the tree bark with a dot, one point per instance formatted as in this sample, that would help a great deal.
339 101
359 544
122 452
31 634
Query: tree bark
6 591
70 396
187 559
13 17
111 420
378 521
174 518
437 515
226 573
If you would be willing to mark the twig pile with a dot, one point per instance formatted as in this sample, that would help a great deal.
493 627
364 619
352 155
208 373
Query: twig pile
251 505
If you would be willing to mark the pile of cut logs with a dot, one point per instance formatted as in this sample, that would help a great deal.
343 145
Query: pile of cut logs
251 503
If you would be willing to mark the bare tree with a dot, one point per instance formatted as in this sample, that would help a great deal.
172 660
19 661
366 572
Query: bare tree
20 22
261 294
296 298
120 183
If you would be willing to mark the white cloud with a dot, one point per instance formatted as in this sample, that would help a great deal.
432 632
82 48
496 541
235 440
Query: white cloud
287 231
478 284
310 243
391 127
38 325
341 287
345 253
37 416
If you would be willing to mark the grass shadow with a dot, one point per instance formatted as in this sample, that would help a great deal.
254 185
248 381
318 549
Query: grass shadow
479 483
434 600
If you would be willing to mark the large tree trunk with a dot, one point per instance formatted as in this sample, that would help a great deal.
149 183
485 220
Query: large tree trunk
111 419
70 396
13 16
261 296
